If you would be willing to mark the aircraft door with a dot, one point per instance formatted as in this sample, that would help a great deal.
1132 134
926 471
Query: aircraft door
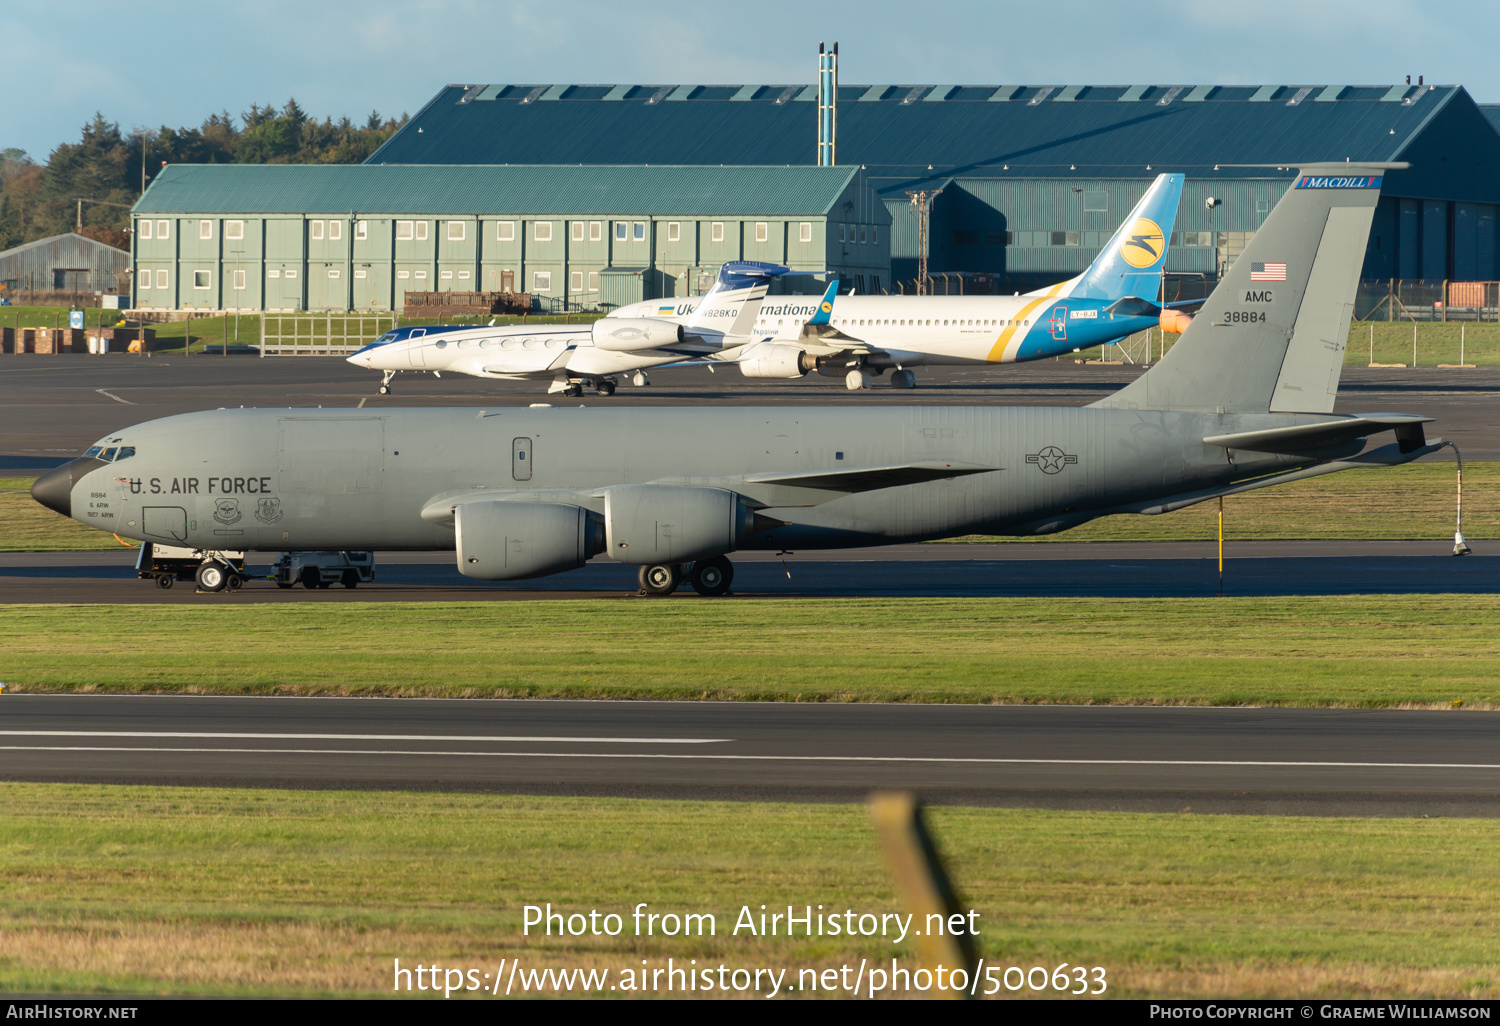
416 348
1058 324
169 522
520 459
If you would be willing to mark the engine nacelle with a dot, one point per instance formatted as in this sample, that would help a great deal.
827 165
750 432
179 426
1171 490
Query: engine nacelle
511 541
627 334
1174 321
768 360
651 524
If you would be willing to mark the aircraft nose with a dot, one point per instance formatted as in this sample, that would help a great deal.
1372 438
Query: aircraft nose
54 489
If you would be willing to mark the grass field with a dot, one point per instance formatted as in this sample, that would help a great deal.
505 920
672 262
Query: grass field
201 891
1414 501
1363 651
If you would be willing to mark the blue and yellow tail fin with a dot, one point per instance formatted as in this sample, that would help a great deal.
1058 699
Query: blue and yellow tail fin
1131 263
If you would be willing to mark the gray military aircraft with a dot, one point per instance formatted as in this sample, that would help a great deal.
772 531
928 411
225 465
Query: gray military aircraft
1243 401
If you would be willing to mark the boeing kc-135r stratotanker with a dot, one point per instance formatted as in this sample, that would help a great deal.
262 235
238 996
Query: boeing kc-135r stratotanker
1244 400
793 335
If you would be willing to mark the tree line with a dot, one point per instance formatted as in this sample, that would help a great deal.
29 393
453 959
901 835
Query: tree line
40 200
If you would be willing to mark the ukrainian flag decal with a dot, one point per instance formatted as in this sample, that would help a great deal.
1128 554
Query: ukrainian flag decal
666 309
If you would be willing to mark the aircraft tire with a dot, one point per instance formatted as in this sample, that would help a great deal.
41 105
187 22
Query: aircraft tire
639 379
212 576
605 388
712 577
573 391
384 390
856 380
903 379
659 580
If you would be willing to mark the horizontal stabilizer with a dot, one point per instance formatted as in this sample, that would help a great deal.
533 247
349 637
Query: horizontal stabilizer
1303 437
866 479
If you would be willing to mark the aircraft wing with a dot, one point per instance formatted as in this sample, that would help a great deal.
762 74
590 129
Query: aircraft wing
533 371
1302 437
867 479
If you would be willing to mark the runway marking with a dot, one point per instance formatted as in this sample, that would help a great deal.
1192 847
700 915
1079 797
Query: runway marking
770 758
364 737
116 398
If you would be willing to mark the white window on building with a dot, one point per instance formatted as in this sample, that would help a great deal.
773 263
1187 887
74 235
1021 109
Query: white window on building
455 231
234 229
360 272
274 272
762 231
622 231
421 276
144 228
333 272
403 274
315 230
596 231
541 231
541 281
447 275
164 229
577 231
145 280
804 232
205 229
674 231
203 279
421 231
505 231
361 230
404 231
239 279
290 273
335 230
463 275
575 281
161 279
716 232
593 281
640 231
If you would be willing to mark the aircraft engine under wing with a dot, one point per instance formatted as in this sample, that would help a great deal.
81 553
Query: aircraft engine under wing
625 335
1304 437
866 479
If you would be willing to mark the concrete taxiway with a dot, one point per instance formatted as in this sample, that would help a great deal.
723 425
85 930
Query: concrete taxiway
1301 761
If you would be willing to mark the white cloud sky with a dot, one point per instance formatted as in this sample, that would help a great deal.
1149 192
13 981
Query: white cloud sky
178 61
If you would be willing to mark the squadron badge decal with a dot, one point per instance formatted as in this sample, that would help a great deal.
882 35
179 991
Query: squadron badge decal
227 511
268 511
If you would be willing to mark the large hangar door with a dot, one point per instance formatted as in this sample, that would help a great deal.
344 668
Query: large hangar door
332 455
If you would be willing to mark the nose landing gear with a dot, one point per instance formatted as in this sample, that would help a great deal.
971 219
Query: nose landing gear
385 382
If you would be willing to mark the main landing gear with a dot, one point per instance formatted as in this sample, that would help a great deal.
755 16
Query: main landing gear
574 389
214 576
709 577
639 379
903 379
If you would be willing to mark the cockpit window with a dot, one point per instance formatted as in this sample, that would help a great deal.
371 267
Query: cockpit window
108 454
126 451
94 450
389 336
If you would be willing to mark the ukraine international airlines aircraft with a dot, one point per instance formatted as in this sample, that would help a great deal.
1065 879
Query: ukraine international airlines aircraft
1243 401
1115 297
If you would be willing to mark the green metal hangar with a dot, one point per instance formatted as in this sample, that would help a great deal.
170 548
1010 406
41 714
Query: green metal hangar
1033 178
359 237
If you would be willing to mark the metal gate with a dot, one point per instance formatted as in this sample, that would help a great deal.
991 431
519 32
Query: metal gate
320 334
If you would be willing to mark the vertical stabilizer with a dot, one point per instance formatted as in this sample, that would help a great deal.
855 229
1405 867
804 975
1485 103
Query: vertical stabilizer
1271 336
732 305
1130 264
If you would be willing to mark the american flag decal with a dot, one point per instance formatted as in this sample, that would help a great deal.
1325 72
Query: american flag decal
1268 271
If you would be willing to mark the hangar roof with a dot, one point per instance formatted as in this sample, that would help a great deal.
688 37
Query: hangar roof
907 133
489 189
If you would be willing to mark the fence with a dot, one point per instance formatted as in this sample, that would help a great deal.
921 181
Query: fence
320 334
1404 299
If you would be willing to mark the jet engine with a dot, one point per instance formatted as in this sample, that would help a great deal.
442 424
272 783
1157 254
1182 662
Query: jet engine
772 361
627 334
511 541
652 524
1175 321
